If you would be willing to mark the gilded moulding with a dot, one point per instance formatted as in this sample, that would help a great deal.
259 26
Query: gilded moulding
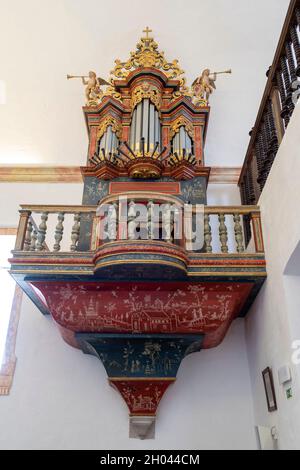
182 121
147 55
109 121
145 90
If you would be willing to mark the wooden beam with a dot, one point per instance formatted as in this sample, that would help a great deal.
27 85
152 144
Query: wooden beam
224 175
40 174
72 174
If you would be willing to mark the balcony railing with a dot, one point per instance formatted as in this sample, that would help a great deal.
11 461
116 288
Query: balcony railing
54 229
275 111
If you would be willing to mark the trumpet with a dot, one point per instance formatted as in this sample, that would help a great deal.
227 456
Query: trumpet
76 76
219 73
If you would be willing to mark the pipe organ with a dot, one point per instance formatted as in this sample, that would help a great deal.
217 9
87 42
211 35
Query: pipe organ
145 128
108 143
140 304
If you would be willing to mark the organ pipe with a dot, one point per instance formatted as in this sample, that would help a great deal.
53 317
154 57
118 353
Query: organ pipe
182 143
145 124
109 142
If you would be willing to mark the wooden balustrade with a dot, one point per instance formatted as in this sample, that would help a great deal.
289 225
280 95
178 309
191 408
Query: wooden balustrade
229 219
32 235
275 112
219 224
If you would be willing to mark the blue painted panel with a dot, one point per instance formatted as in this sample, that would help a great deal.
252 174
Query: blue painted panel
140 355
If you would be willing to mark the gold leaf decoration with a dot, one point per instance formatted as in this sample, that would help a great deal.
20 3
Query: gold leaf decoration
109 121
182 121
146 91
147 55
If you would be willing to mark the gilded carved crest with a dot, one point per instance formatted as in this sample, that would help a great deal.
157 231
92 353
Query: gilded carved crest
146 90
147 55
182 121
109 121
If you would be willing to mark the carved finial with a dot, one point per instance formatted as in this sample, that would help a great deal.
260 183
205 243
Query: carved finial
147 30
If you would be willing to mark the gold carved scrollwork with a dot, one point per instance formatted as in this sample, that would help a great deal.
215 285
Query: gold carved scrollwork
147 55
146 91
109 121
182 121
111 91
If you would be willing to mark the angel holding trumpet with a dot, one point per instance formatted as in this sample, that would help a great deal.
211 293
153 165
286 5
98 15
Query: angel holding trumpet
93 85
204 85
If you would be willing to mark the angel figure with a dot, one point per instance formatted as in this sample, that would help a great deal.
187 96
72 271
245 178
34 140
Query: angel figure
93 84
204 85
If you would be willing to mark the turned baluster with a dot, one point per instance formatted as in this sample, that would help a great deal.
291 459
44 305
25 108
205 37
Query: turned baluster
247 190
246 219
290 59
33 241
207 234
293 74
238 233
264 144
271 118
59 230
167 223
259 163
42 230
223 233
28 234
75 232
282 94
296 46
288 107
273 142
243 192
116 215
150 222
249 176
131 221
112 221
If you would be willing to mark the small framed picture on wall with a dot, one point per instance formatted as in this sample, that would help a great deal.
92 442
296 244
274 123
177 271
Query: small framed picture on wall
269 389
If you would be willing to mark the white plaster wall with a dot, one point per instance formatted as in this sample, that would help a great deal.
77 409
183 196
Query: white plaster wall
61 399
273 321
223 195
14 194
42 41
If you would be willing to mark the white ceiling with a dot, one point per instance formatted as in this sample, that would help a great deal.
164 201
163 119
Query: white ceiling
41 41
